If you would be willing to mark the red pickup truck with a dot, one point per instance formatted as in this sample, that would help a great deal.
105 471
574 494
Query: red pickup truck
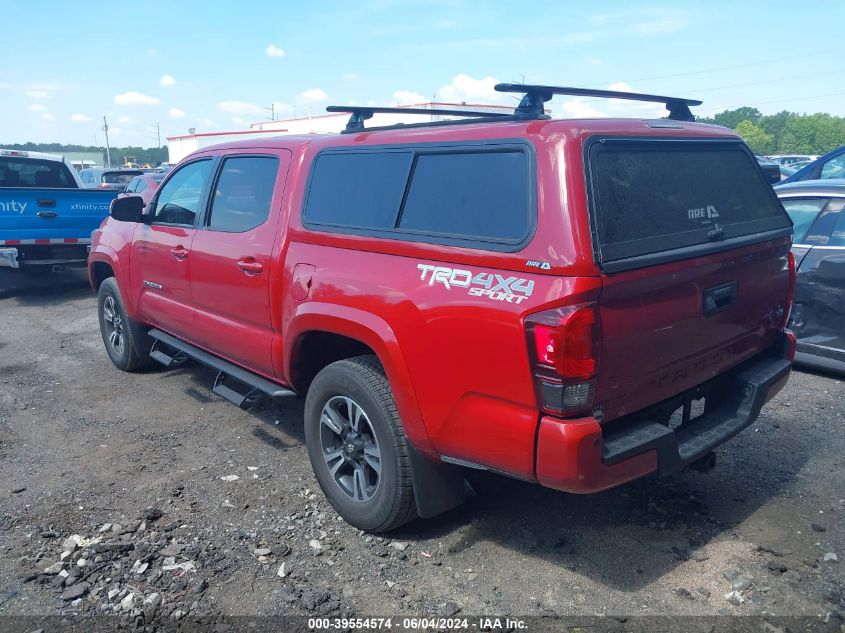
577 303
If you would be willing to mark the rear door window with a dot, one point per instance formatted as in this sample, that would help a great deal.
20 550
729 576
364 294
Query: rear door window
834 168
803 212
650 197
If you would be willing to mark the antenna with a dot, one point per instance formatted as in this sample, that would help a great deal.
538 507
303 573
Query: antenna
108 150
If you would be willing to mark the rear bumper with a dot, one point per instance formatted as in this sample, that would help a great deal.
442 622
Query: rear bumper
581 456
47 252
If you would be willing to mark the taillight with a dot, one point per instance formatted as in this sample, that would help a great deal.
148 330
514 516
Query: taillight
790 293
564 346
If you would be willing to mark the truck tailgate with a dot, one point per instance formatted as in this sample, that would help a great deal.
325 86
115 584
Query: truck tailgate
693 246
51 214
668 328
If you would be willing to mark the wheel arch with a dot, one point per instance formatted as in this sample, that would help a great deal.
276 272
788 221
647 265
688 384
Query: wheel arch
98 272
104 263
322 334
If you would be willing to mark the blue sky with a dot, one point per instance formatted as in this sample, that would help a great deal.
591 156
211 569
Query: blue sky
216 66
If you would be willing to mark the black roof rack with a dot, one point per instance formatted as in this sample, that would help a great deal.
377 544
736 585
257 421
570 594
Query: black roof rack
359 114
531 106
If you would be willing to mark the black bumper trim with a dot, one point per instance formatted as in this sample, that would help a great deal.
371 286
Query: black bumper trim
742 394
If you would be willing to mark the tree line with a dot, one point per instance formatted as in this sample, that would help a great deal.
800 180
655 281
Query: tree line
119 155
784 132
781 133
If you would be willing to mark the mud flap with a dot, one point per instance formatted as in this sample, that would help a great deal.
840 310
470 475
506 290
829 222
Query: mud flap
438 487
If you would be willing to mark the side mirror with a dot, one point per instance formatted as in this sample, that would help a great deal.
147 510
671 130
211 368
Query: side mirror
127 209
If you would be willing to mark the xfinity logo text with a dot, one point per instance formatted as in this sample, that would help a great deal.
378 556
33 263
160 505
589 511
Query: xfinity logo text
490 285
13 206
703 213
88 206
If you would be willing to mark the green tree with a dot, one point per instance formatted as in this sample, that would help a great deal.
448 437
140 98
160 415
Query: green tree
773 125
812 134
755 136
732 118
143 156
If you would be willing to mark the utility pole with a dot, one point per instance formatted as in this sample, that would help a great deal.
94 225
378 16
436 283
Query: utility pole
272 110
108 150
158 135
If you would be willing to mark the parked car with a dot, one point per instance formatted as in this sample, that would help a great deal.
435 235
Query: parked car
46 217
143 186
831 165
792 159
577 303
105 178
771 170
818 314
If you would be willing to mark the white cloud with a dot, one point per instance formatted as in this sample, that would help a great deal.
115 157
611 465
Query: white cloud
464 88
408 97
239 107
238 120
125 120
312 95
176 113
274 51
166 81
578 108
133 98
37 107
80 118
36 94
47 116
208 123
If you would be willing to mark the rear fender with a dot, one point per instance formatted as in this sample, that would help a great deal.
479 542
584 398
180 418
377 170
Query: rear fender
378 336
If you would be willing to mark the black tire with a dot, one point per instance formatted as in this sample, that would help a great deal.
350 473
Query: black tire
126 343
389 502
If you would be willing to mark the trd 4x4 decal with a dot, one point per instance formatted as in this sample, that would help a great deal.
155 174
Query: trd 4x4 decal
491 285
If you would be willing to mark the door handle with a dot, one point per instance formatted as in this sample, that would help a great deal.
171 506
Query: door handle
47 215
180 252
47 202
250 266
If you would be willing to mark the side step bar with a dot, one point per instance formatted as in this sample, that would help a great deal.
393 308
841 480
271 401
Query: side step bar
235 384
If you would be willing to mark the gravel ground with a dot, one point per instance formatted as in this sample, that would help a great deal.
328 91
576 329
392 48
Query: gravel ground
175 506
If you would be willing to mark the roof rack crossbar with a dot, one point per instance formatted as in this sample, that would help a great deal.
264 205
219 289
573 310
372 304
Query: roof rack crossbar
531 106
359 114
